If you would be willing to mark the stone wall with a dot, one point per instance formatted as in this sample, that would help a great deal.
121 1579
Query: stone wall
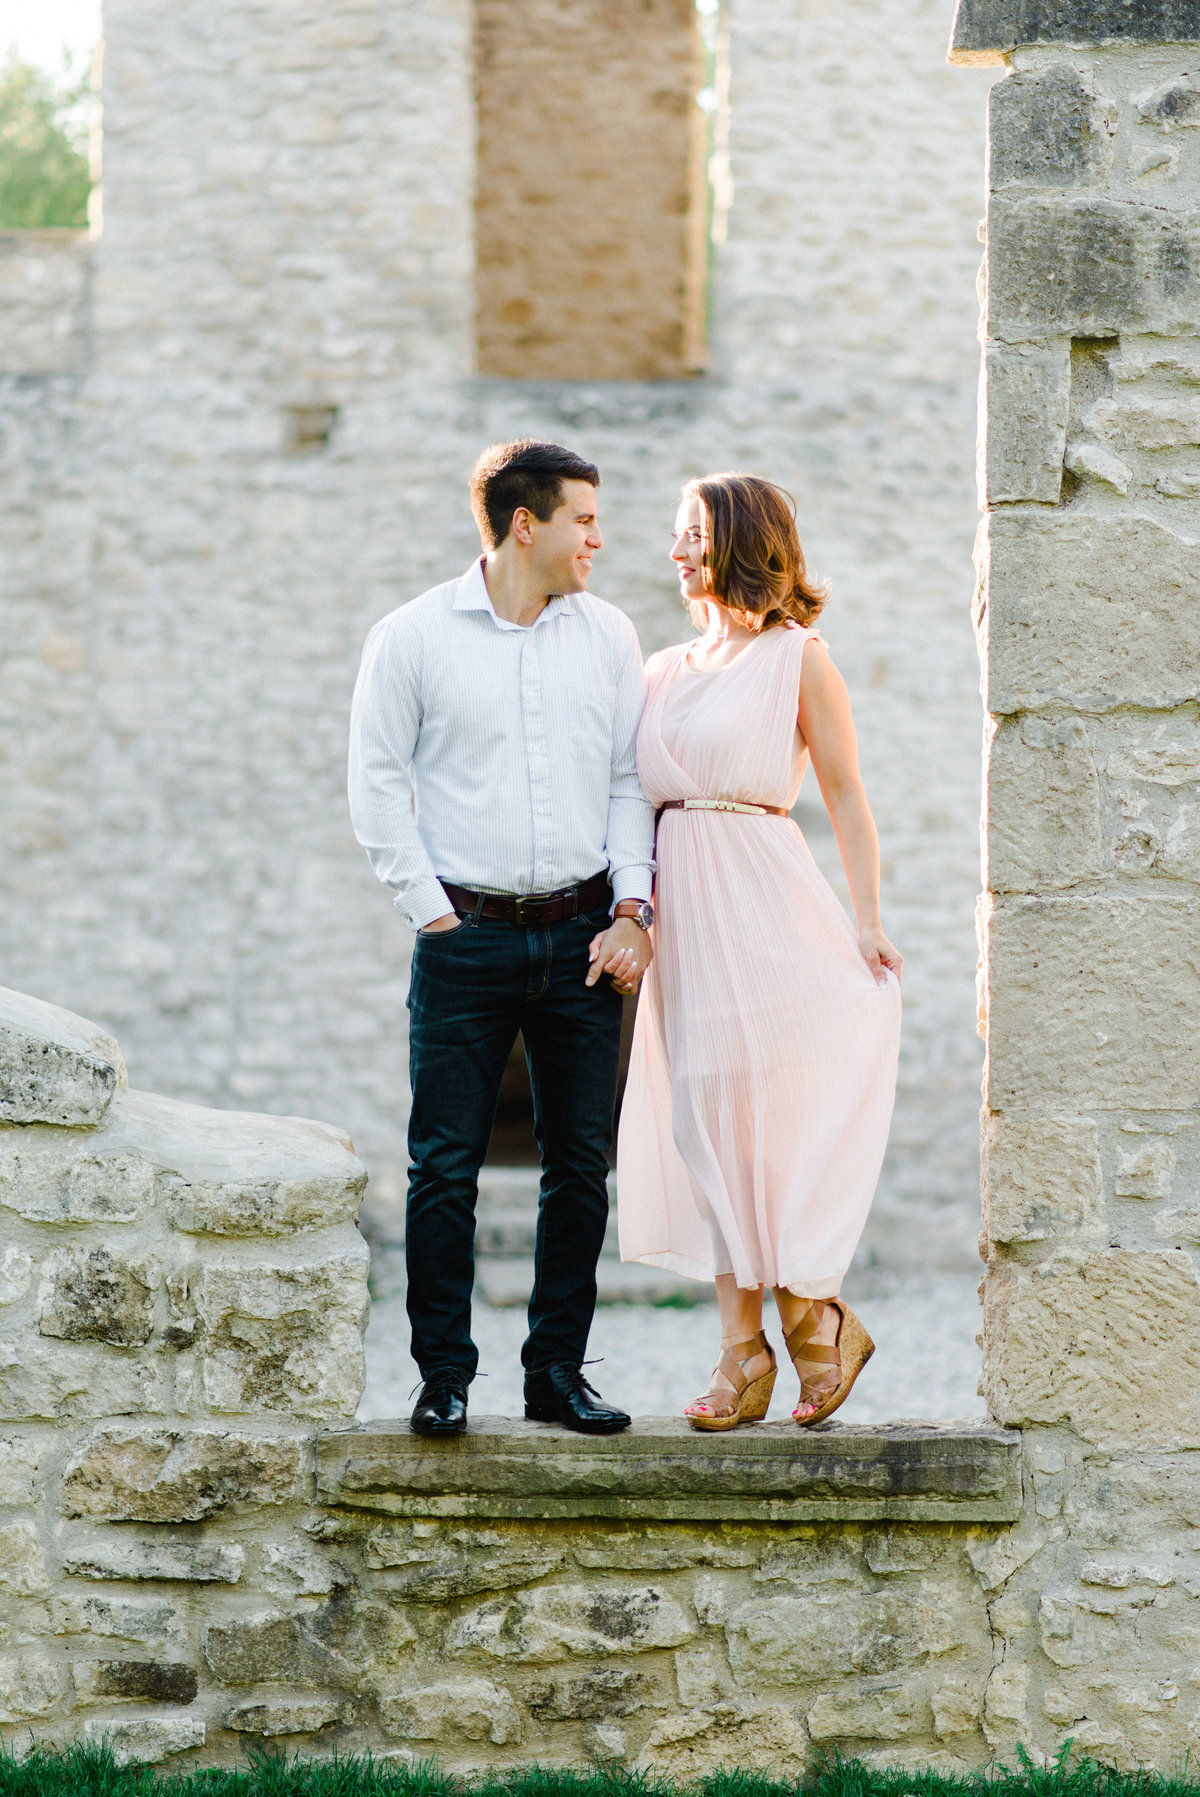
586 186
186 579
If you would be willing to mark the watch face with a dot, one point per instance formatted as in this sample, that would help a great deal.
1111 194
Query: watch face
646 915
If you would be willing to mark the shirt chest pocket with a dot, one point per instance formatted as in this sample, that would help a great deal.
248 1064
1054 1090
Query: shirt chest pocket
585 717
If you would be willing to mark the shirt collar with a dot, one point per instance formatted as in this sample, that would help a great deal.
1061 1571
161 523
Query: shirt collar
474 596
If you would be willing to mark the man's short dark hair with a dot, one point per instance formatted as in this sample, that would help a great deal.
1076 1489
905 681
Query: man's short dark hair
525 473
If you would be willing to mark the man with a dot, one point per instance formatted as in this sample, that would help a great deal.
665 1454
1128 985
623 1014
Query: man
493 783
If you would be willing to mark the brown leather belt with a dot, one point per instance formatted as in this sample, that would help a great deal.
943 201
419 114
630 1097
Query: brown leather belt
537 907
740 806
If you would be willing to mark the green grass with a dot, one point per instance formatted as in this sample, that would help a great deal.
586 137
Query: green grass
92 1772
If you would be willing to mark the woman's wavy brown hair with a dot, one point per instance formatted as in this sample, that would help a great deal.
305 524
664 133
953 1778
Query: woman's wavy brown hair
752 556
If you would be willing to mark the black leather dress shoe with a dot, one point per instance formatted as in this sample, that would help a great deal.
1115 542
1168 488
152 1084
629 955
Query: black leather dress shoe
441 1408
561 1394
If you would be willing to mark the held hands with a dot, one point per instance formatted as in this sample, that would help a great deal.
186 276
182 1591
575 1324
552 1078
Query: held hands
878 953
623 952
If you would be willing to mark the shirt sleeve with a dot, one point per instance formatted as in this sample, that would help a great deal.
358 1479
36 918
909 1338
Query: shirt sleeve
630 844
385 721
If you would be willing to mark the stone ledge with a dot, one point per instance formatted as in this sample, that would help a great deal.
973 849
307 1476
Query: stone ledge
986 30
661 1469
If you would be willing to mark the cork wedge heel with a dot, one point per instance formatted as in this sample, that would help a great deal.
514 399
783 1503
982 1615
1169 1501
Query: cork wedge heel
747 1401
849 1354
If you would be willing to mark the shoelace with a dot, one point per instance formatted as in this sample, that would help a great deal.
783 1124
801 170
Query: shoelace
453 1376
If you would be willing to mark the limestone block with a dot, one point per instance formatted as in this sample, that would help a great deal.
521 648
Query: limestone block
146 1740
22 1563
589 1696
1174 104
809 1636
74 1381
702 1743
161 1475
48 1183
469 1709
1027 396
558 1620
1147 423
700 1678
1041 1177
31 1684
1108 1343
285 1337
1093 1002
190 1562
136 1681
287 1716
1092 461
55 1067
91 1294
16 1272
434 1572
1043 805
604 1742
956 1708
299 1569
21 1456
874 1712
116 1618
1145 1171
43 300
1090 613
271 1647
1089 268
1048 129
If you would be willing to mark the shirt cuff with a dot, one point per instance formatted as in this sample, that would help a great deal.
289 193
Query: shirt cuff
422 902
631 883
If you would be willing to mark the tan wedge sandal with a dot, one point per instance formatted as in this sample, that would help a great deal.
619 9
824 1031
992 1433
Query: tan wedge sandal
849 1355
742 1400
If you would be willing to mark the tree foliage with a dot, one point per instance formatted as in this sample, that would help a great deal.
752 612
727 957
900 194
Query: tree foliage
44 178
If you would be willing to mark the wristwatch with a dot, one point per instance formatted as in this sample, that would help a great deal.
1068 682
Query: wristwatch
639 911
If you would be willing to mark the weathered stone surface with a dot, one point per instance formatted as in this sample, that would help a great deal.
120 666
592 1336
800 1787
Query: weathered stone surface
136 1681
169 1557
48 1182
22 1564
880 1711
37 1381
31 1684
1174 104
558 1620
809 1636
55 1067
1043 806
1093 462
662 1469
287 1716
1041 1177
724 1738
956 1708
1108 1343
146 1740
985 30
1146 1170
144 1475
469 1709
21 1456
1093 1002
16 1272
1048 130
43 286
1090 613
433 1573
285 1337
1027 395
589 1696
118 1618
272 1648
91 1294
1089 268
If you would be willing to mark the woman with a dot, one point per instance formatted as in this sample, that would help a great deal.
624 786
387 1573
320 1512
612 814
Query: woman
763 1070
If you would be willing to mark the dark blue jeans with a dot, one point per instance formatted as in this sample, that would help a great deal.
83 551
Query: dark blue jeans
472 989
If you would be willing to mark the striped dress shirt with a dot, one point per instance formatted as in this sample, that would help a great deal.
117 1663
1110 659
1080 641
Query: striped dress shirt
499 757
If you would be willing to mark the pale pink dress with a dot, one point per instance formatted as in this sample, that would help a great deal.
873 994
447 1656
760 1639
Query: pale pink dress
763 1069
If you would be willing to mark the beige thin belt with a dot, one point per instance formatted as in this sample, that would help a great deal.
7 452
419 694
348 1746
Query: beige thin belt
737 805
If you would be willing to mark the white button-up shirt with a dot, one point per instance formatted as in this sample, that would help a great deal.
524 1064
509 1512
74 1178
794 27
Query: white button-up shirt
499 757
